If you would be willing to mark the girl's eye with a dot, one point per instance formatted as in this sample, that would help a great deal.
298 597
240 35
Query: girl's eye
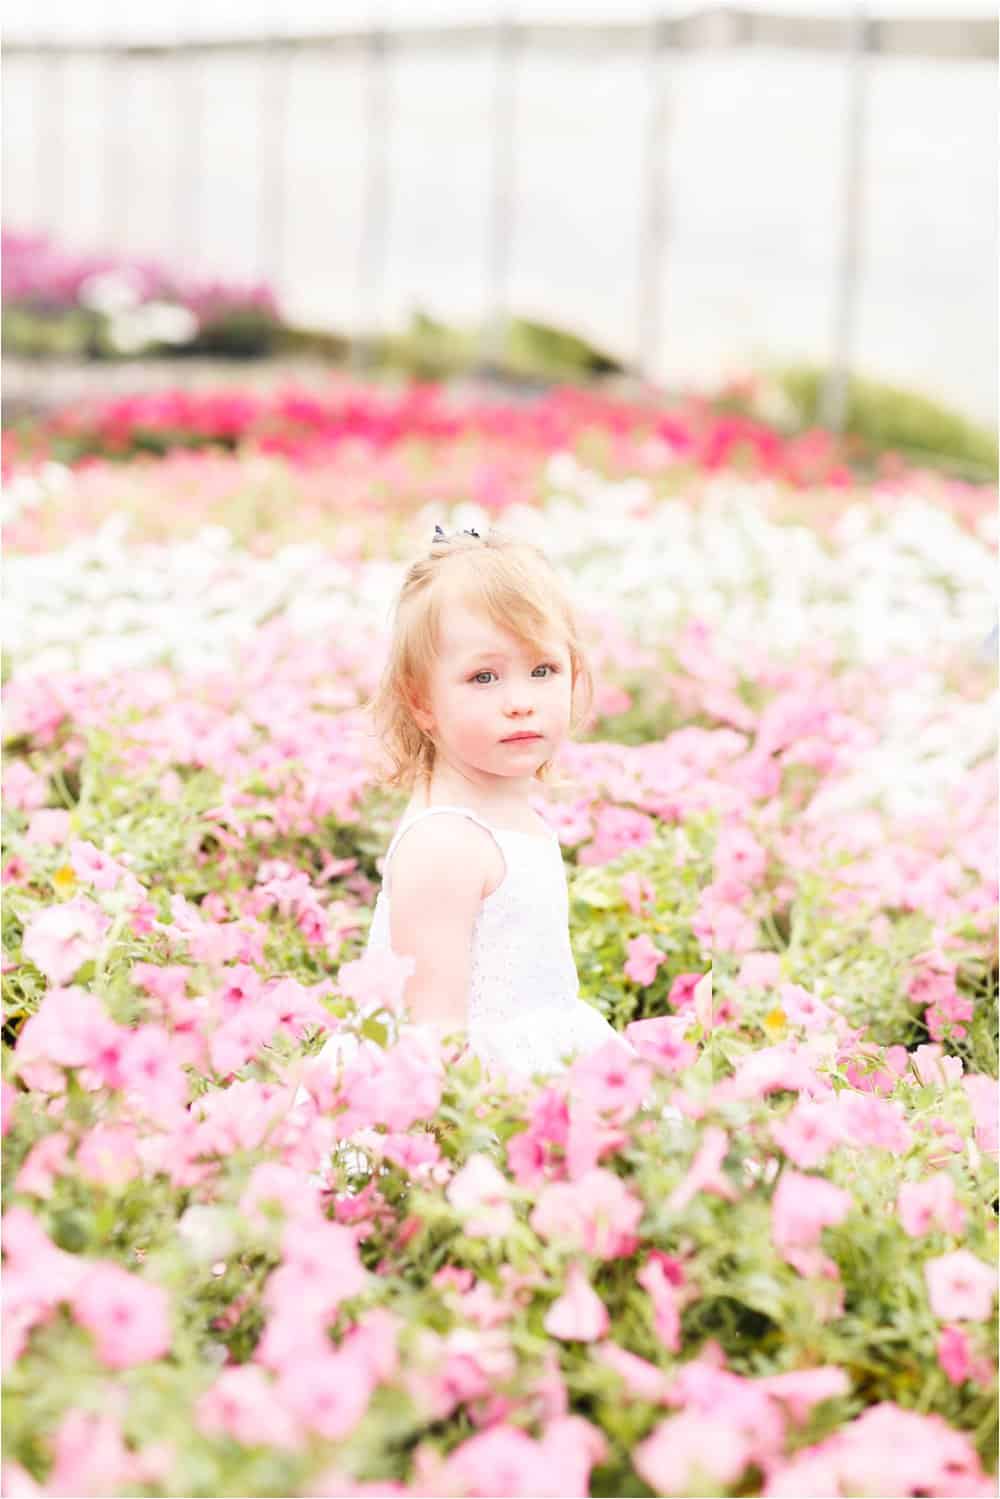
549 666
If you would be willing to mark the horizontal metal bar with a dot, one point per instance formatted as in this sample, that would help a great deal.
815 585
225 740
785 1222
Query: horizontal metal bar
942 36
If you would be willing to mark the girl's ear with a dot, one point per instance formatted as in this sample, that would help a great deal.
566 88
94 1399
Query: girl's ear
421 716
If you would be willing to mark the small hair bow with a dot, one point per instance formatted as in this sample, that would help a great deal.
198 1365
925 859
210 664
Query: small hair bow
440 536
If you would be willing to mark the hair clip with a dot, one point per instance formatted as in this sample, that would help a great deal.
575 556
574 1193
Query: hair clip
472 533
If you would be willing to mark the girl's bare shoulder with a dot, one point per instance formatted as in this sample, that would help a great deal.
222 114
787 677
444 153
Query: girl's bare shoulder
448 856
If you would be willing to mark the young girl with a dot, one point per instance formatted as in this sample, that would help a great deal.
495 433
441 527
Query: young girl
485 679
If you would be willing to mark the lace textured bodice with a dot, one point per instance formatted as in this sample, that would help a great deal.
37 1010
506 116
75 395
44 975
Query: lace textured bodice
524 1009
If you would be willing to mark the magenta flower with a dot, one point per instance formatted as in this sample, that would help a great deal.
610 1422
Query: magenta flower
681 996
531 1153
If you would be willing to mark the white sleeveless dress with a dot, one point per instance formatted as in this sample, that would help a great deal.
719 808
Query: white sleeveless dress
524 1009
524 1015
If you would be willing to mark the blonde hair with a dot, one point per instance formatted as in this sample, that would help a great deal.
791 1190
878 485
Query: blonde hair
515 585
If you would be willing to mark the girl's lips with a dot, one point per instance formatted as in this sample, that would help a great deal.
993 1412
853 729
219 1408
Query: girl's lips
520 738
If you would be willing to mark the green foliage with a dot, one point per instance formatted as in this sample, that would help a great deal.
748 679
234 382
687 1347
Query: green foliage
238 333
677 865
889 417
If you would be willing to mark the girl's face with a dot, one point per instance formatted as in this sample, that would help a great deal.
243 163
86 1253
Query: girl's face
486 687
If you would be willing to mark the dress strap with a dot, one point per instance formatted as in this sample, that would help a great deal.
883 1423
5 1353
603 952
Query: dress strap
429 812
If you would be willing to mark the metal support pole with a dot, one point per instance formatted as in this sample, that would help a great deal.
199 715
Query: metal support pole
115 171
833 405
272 142
375 209
652 234
501 222
50 140
188 160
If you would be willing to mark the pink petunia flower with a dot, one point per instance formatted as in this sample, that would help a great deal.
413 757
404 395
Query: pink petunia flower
128 1317
482 1191
327 1395
44 1162
642 1380
49 825
579 1313
108 1155
687 1445
94 867
808 1133
644 958
953 1354
243 1404
24 789
759 970
638 892
659 1040
802 1207
933 1068
961 1287
661 1278
928 1204
60 939
705 1173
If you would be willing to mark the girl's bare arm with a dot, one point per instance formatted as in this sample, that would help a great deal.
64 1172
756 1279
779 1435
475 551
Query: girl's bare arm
437 877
